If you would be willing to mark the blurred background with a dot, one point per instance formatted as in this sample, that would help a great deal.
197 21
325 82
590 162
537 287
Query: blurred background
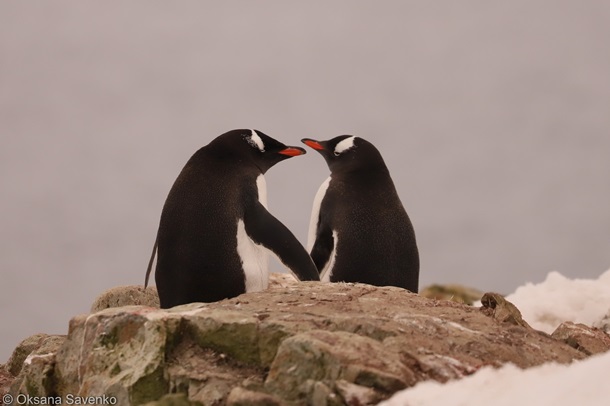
493 118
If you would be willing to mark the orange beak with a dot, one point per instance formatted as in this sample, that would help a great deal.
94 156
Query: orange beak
312 144
292 151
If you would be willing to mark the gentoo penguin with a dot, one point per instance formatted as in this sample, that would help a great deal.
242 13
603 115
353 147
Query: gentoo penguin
359 229
215 230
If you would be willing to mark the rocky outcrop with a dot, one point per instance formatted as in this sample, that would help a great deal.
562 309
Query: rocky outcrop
126 296
584 338
296 343
30 369
495 306
453 292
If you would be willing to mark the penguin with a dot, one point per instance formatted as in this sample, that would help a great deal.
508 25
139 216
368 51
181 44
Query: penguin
215 230
359 230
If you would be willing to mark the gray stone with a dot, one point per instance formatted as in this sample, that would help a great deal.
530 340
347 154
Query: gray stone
329 356
453 292
126 296
173 399
497 307
321 343
117 352
584 338
36 376
6 380
243 397
23 349
353 394
281 280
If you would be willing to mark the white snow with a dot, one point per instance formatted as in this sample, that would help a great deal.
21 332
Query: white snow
581 383
544 306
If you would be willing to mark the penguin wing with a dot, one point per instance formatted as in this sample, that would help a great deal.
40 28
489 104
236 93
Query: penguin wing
266 230
323 248
320 241
315 214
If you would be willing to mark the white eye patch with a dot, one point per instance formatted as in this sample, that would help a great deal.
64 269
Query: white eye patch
344 145
256 141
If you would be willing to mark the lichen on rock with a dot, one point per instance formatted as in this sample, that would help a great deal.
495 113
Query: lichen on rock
293 344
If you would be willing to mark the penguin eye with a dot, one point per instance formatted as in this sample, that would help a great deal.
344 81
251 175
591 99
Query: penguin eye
337 153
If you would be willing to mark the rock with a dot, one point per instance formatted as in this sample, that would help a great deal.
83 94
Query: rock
586 339
453 292
352 394
320 394
23 349
6 379
243 397
497 307
307 343
326 356
36 376
118 352
30 367
136 295
281 280
173 399
126 296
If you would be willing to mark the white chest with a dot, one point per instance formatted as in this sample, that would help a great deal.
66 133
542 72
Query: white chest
315 214
327 271
254 257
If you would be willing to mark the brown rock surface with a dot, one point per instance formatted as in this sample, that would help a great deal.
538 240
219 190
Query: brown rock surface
301 343
126 296
586 339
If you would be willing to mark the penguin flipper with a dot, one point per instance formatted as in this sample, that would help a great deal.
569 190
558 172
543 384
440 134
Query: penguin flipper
150 262
322 247
264 229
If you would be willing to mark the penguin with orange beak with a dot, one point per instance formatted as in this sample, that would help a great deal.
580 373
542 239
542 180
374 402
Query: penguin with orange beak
215 231
359 230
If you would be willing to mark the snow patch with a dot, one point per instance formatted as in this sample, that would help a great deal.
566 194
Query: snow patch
548 304
544 306
580 383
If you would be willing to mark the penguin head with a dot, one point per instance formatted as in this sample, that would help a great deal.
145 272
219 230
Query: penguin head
346 153
254 146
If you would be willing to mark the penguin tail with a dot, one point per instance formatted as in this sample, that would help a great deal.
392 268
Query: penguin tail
150 262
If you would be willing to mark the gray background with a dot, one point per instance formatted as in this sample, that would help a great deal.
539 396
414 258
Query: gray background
493 120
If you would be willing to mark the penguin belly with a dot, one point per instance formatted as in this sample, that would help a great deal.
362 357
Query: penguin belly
254 260
327 271
254 257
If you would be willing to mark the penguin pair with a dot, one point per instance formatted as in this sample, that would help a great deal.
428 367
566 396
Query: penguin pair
215 232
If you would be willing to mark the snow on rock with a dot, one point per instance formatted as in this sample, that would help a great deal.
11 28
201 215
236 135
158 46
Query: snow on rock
546 305
581 383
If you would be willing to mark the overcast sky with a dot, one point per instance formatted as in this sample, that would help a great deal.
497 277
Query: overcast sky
493 119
